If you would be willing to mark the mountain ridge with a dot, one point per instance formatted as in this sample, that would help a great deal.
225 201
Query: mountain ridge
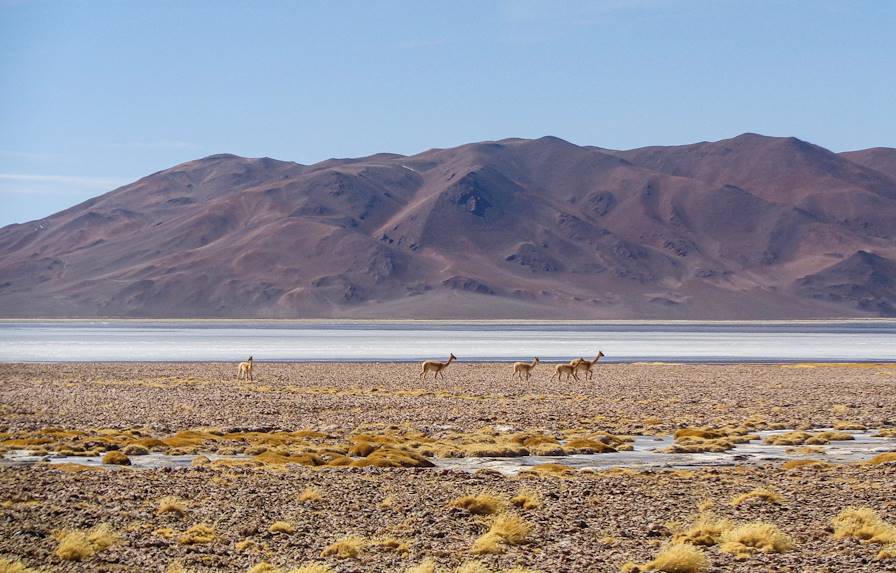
747 227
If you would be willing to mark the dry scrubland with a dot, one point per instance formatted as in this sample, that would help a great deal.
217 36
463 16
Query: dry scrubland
335 475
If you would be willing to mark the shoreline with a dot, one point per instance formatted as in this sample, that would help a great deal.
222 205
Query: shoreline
451 321
487 361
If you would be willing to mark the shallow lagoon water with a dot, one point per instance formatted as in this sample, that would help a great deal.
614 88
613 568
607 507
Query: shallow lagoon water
149 341
646 455
149 461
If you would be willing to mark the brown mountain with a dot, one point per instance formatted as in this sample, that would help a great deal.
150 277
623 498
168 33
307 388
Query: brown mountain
882 159
749 227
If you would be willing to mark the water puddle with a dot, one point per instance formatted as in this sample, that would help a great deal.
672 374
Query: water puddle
148 461
646 455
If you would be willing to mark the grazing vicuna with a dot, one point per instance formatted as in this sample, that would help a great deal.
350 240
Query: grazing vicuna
436 367
587 365
520 368
245 370
562 369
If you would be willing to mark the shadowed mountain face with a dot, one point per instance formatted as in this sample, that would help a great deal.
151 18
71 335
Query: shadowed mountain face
750 227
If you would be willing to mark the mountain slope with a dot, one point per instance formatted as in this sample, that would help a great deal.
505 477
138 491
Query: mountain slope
752 227
882 159
866 278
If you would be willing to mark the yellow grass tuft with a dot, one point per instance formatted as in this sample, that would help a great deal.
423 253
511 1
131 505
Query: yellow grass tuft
199 533
696 445
282 527
885 458
363 449
245 545
313 568
511 528
346 548
426 566
702 433
271 457
526 499
135 450
392 544
863 523
391 457
680 559
888 552
799 464
481 504
800 438
506 529
758 494
116 458
265 567
674 558
707 530
697 440
805 450
558 470
745 540
310 495
473 567
17 566
480 567
587 446
79 544
840 409
170 504
704 505
72 468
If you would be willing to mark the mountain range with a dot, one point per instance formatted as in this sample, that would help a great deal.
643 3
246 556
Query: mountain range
751 227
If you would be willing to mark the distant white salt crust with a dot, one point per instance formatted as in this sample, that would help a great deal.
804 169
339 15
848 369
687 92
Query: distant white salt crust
148 341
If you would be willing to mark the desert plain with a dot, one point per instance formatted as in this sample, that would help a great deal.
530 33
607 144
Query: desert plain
321 467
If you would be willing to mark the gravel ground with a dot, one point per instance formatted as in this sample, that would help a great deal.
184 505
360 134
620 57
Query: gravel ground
586 522
619 398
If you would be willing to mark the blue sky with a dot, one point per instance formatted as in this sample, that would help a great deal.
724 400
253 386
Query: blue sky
96 94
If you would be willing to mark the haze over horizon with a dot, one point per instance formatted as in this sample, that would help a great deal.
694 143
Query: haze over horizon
105 93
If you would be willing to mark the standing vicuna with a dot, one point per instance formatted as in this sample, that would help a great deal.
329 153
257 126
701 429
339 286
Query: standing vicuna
245 370
568 369
520 368
587 365
436 367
